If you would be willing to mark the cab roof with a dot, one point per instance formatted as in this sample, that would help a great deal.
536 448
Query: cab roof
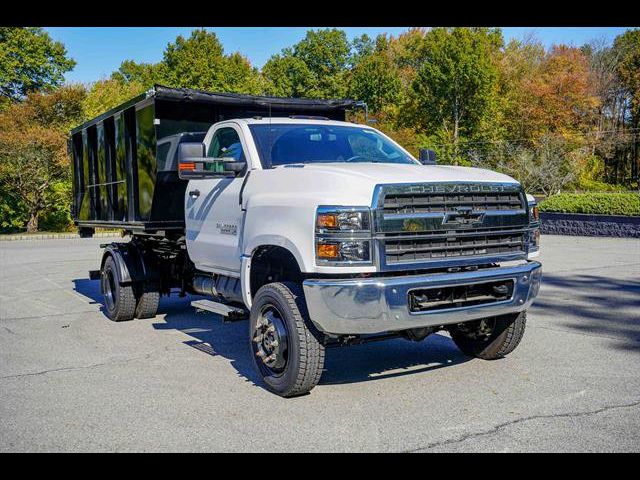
294 120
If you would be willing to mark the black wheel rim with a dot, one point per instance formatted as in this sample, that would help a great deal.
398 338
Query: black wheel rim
108 289
270 341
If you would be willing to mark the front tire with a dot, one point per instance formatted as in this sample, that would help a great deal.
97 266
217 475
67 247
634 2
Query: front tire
285 346
490 338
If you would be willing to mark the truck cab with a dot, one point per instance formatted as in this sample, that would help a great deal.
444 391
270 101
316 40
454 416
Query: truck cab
324 233
373 242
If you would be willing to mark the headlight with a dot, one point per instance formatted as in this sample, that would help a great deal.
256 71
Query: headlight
347 251
343 235
349 220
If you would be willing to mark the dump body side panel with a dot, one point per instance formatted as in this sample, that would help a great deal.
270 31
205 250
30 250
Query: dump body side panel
125 160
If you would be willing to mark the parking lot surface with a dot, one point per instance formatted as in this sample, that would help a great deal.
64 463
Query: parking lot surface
71 380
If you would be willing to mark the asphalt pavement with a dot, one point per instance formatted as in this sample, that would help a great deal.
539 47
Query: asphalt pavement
71 380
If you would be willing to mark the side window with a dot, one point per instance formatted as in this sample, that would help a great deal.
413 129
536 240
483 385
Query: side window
226 144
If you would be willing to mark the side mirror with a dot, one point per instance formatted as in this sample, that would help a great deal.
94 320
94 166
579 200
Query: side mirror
192 163
427 157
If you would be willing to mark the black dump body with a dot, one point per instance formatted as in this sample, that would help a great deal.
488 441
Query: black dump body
125 161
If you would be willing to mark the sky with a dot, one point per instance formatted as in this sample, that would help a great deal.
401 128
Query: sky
99 51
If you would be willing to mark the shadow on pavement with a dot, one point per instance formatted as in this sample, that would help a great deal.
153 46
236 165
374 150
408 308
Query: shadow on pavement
358 363
593 304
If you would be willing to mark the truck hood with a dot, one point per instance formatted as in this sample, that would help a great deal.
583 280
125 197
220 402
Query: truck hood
377 173
349 183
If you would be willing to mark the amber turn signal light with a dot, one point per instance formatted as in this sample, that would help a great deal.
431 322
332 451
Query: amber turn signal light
327 250
327 220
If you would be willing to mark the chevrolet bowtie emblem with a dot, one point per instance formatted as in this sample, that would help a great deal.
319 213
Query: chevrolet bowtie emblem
463 217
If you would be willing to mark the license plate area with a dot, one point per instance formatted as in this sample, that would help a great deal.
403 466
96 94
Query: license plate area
459 296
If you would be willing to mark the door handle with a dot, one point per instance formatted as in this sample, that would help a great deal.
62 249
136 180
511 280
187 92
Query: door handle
194 193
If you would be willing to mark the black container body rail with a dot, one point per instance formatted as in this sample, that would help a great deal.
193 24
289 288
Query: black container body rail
125 171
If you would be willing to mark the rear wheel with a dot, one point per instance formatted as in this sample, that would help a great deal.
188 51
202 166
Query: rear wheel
119 300
490 338
147 304
286 348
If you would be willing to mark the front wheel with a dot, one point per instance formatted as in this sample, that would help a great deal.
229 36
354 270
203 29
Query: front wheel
286 348
490 338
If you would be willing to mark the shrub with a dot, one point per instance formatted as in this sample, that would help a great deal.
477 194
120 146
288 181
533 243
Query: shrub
617 203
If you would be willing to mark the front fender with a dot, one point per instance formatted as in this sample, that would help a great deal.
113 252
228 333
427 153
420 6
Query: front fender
278 241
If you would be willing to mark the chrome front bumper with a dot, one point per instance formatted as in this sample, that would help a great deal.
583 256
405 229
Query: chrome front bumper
380 304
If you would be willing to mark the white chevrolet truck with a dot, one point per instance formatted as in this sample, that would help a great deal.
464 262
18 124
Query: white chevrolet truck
320 231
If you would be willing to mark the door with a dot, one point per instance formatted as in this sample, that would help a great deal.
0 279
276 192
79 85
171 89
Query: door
212 208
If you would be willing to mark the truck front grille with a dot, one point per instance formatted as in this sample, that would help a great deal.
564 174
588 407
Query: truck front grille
422 249
418 223
421 203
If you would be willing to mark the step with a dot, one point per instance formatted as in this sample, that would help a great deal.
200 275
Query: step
227 311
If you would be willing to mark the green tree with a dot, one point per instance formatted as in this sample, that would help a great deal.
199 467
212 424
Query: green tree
288 76
196 62
362 47
146 74
30 61
104 95
627 47
375 80
454 93
316 66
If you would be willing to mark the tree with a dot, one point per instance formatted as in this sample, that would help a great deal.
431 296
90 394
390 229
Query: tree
288 76
375 80
454 92
104 95
196 62
518 63
560 96
627 49
30 61
316 66
362 47
33 148
240 77
406 50
546 168
146 74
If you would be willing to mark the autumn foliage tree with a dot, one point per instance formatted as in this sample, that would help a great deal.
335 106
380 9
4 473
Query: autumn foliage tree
33 148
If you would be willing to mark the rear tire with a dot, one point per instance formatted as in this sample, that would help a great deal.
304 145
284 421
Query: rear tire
119 300
147 305
298 355
493 339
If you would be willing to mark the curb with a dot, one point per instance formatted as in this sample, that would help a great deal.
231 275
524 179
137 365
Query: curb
54 236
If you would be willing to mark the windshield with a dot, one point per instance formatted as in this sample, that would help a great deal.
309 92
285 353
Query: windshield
282 144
